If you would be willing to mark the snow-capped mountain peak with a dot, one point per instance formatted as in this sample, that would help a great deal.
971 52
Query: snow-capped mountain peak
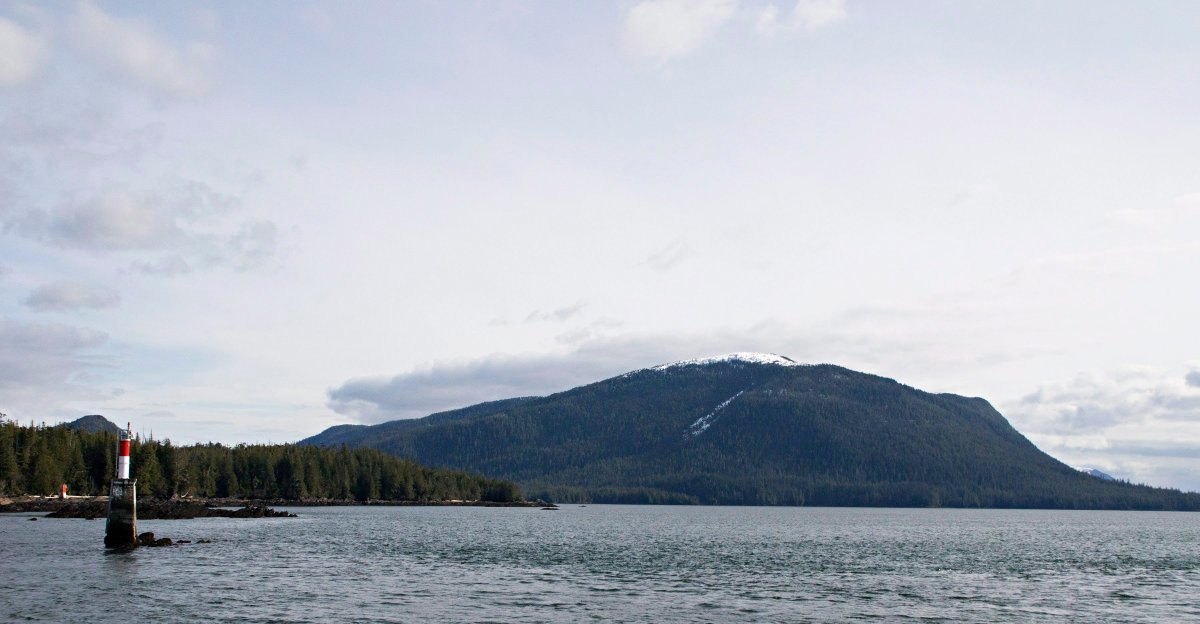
739 358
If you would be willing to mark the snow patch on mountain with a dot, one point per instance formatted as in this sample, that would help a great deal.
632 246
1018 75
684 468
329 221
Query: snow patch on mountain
704 422
736 358
1096 472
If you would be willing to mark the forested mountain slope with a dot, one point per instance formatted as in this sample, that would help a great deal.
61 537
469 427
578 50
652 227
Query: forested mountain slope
753 429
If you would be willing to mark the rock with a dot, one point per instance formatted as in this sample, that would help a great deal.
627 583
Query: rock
203 541
184 542
89 510
33 519
256 511
148 539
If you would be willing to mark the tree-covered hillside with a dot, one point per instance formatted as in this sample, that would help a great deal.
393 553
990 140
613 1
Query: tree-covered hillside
39 459
755 431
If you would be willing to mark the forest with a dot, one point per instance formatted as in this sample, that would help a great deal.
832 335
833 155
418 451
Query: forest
38 459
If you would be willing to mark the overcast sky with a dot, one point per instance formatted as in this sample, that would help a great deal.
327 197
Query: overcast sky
250 221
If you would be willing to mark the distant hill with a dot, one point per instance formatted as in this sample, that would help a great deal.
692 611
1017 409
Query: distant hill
93 423
753 429
1099 474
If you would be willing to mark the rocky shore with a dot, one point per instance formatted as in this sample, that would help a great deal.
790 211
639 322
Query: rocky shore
339 502
186 509
148 509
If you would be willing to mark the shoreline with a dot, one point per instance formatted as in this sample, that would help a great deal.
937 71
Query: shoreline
93 507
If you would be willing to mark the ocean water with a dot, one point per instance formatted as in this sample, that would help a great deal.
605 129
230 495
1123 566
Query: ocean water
614 563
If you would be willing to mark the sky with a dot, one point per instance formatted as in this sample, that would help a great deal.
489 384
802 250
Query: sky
246 222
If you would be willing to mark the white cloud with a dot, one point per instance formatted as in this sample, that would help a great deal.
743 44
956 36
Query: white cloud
558 314
670 256
68 295
253 246
169 265
1093 403
662 30
665 29
1140 424
36 355
22 53
131 47
43 366
115 220
1191 199
806 15
188 222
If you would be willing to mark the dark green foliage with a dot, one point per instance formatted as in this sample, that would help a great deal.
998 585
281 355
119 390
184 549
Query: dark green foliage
39 459
811 435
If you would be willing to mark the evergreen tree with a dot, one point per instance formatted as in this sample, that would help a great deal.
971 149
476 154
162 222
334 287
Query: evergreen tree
9 473
45 473
227 481
85 459
146 469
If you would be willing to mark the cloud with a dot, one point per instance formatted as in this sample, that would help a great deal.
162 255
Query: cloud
131 47
116 220
22 53
186 221
45 366
65 296
558 314
665 29
807 15
1091 403
169 265
253 246
1191 199
34 356
1140 424
670 256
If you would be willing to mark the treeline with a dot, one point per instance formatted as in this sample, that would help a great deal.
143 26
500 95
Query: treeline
714 489
39 459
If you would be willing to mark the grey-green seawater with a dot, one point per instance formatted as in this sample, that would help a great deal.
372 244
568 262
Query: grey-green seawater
615 563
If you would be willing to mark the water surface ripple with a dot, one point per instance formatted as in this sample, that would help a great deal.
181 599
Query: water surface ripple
616 563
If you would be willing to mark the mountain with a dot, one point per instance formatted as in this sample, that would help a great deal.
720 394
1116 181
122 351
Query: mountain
1099 474
93 423
753 429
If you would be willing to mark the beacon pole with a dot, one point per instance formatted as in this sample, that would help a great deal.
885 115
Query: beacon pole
121 529
123 455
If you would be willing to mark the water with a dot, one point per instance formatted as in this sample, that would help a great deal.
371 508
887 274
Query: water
615 563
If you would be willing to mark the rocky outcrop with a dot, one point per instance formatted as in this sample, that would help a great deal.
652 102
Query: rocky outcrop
164 510
147 539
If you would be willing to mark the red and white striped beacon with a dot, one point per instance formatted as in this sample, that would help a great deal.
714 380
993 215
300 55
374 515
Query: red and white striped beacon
123 453
121 529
